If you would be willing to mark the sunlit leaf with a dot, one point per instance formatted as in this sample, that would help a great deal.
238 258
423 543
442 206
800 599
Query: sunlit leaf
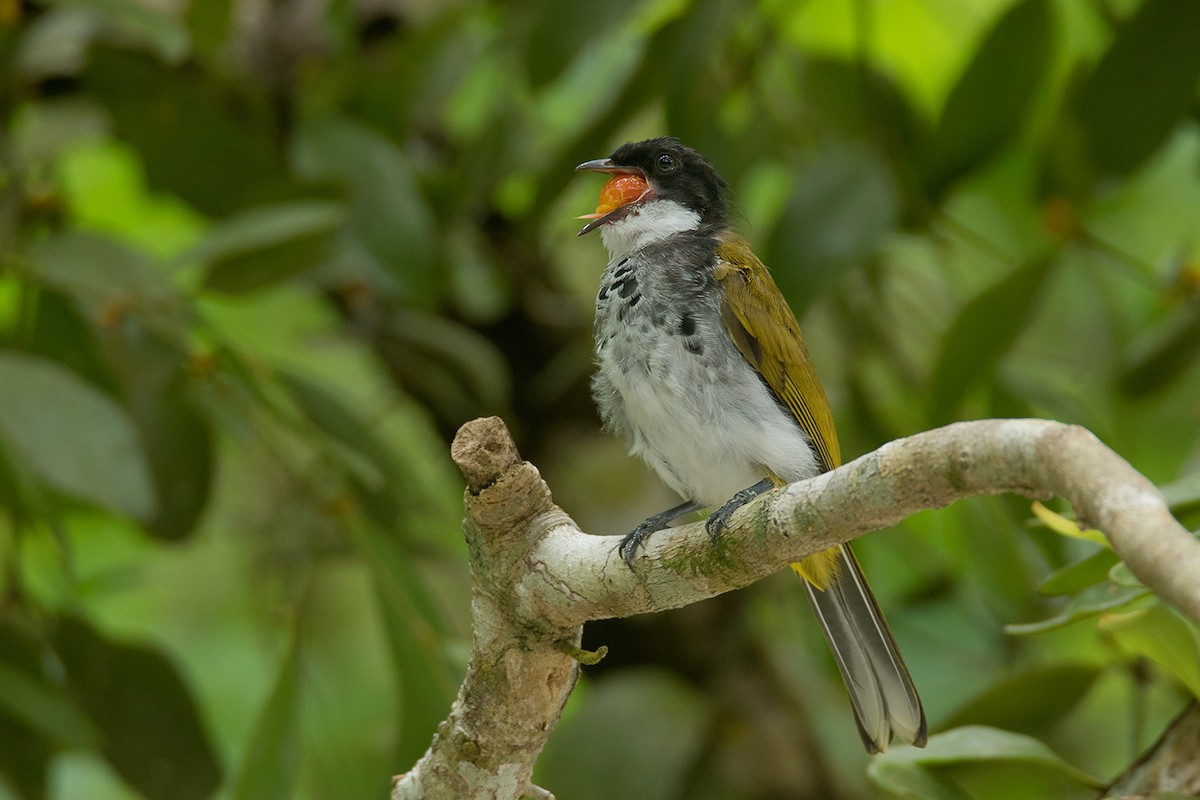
1159 634
983 331
1142 86
153 734
272 759
1067 527
988 105
73 436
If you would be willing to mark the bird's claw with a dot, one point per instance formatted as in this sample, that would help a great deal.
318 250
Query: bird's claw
718 521
634 540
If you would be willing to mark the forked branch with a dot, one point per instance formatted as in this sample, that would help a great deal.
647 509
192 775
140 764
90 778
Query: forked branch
537 578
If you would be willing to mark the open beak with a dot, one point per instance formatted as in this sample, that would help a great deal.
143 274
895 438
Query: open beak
625 191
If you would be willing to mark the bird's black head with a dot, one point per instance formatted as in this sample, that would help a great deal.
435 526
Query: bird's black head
673 171
677 172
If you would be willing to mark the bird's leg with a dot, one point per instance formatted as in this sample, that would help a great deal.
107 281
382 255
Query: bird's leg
656 522
719 519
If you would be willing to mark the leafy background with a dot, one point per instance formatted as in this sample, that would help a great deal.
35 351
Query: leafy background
260 258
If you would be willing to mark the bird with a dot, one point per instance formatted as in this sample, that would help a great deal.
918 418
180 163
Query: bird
701 365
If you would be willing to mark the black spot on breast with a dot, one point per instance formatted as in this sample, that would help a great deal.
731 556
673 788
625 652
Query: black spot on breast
603 292
627 286
633 301
694 346
687 325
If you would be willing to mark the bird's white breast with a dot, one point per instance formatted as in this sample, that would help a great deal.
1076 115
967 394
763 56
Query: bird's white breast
688 402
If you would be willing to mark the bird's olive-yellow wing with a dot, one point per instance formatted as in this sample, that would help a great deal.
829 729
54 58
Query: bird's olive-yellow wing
766 333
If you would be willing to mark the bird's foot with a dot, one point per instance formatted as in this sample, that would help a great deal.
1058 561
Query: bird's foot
718 521
638 536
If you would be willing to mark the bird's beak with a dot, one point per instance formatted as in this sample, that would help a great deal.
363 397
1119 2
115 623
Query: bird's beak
604 165
624 191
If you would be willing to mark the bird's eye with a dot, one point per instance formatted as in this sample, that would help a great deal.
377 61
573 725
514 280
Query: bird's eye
665 163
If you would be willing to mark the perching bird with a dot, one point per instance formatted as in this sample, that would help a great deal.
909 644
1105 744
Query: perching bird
701 365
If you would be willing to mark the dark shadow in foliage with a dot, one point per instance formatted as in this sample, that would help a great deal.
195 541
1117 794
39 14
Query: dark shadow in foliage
152 732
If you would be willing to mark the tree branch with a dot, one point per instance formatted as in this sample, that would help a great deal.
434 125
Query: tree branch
537 578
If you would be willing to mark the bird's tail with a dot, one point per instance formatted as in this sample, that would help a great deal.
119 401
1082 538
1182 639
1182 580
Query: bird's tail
881 691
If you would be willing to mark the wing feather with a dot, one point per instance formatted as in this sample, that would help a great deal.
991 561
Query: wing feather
766 332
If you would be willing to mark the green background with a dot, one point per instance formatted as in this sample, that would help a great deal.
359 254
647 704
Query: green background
259 260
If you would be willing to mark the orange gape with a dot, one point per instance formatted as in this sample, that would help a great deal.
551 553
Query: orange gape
621 188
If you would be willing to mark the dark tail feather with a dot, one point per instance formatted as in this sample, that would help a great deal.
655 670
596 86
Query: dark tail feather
881 691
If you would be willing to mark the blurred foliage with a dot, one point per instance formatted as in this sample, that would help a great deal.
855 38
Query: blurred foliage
260 258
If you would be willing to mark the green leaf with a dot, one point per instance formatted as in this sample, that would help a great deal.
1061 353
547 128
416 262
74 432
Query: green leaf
209 24
376 475
650 723
695 73
1033 701
181 450
262 246
1183 495
388 214
447 365
561 30
1159 634
213 143
983 331
30 697
62 334
1143 85
1166 353
425 684
989 103
1081 574
843 204
1091 602
913 780
101 275
45 709
272 759
978 743
153 734
25 756
133 21
1065 526
72 436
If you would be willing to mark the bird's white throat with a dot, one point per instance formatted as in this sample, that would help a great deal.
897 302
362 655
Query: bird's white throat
655 220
